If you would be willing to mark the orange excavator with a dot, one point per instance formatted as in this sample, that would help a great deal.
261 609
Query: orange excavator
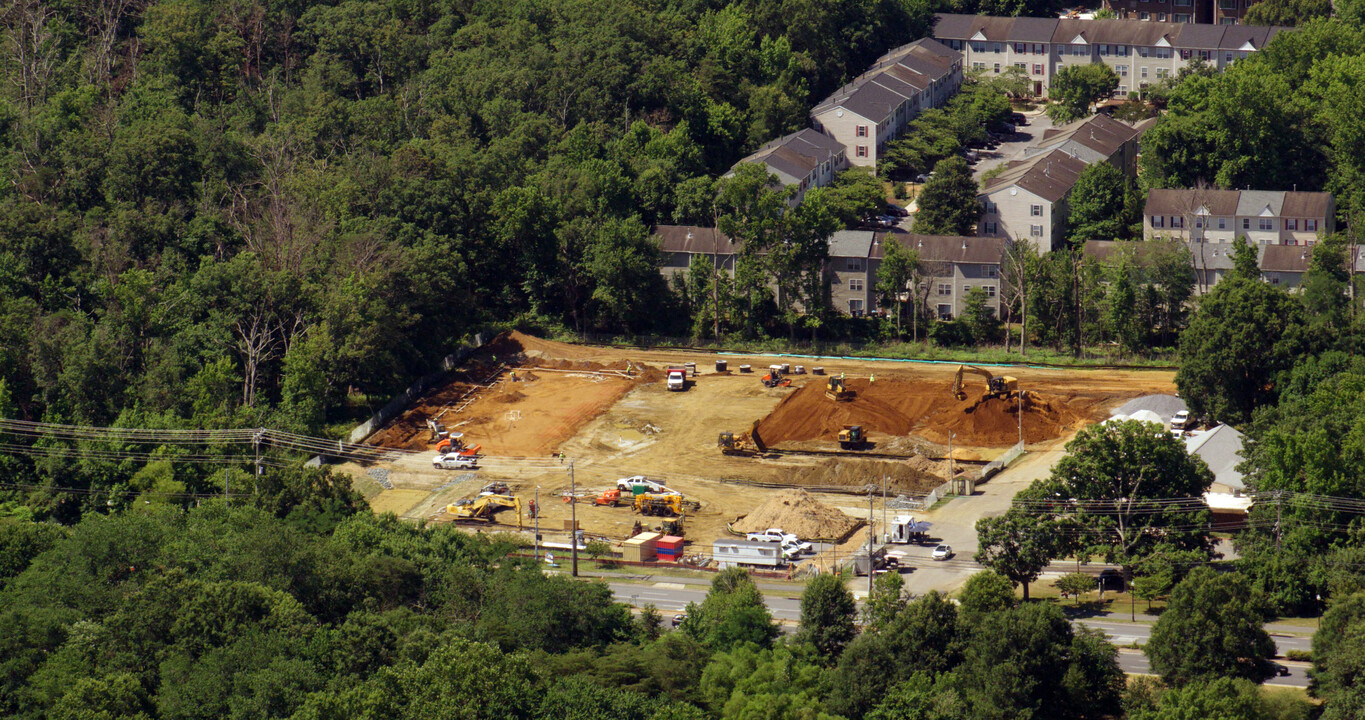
454 444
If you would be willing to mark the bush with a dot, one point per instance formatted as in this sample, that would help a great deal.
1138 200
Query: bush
1299 655
951 333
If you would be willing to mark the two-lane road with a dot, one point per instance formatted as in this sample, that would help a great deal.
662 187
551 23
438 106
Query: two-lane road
672 598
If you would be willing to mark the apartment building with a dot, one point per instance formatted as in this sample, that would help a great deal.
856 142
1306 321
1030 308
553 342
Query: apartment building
851 273
1028 202
876 106
1263 217
951 266
1139 52
682 245
1281 265
803 159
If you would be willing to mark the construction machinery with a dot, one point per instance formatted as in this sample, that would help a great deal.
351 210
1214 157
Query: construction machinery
608 498
663 504
676 379
745 443
852 437
997 386
835 389
454 444
482 508
774 378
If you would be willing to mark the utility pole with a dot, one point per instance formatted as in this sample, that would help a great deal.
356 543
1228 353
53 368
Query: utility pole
951 474
537 519
871 566
573 513
1021 419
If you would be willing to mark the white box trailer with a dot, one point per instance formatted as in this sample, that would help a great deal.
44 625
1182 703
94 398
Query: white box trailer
734 552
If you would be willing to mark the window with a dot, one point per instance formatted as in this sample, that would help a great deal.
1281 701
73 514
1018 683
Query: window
1037 69
1204 55
1122 50
1144 15
862 151
945 289
966 289
1035 230
854 264
1199 223
1163 72
862 131
978 47
1158 221
1246 223
1080 50
992 271
1228 57
1275 280
1021 48
990 207
1177 221
1104 50
1122 70
1163 52
945 312
855 306
1123 89
1184 54
1161 17
1142 51
1291 224
990 290
996 47
1144 71
978 66
1035 210
1222 223
1310 224
855 285
1022 66
1266 224
990 228
1039 48
997 67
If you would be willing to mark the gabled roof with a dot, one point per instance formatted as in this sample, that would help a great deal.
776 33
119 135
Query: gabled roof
1247 203
1033 30
1220 449
1049 176
1100 133
1210 256
1175 202
1238 37
1306 204
945 248
793 157
693 239
1260 202
1193 36
896 77
1187 36
1285 258
851 243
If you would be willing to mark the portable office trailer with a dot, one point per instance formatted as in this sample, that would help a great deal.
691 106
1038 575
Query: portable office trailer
904 529
731 553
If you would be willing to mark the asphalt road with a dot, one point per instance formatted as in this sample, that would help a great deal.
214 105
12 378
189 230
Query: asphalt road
672 597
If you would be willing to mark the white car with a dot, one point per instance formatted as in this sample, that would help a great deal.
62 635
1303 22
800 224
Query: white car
1181 421
942 552
795 549
774 535
454 461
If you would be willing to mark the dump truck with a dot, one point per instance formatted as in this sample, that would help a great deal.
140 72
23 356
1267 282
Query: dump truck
482 508
677 379
836 391
745 443
997 386
852 437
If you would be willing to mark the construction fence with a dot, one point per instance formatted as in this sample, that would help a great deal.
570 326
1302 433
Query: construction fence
401 401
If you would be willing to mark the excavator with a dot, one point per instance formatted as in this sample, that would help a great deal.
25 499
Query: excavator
1003 387
835 389
484 507
745 443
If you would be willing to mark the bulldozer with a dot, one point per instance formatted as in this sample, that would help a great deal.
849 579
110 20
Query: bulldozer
836 391
745 443
483 508
1003 387
852 437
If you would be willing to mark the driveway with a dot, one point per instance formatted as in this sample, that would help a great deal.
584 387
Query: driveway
1013 149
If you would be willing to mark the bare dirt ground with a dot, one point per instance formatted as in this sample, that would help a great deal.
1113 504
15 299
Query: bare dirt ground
612 427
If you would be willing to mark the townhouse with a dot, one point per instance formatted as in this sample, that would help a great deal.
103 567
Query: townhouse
1028 202
876 106
950 265
1280 265
1140 53
1263 217
803 159
1216 12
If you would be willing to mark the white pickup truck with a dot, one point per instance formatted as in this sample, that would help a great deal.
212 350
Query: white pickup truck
627 485
773 535
454 461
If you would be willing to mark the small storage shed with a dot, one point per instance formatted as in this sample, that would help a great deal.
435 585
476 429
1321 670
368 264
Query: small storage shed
641 548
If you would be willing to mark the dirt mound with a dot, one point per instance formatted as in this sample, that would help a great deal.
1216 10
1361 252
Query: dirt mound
798 512
913 475
515 344
923 408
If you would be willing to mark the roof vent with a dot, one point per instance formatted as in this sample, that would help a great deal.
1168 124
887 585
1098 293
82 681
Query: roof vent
964 243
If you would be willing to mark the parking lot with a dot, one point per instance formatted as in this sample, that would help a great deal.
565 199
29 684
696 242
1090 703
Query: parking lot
1013 146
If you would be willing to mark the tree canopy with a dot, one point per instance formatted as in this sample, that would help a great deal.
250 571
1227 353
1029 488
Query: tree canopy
948 204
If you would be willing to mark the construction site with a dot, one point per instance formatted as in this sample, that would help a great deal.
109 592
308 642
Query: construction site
556 428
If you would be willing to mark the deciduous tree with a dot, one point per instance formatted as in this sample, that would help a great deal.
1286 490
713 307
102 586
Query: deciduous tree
1211 629
948 204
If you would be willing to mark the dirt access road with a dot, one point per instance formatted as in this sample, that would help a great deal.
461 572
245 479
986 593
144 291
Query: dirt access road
612 427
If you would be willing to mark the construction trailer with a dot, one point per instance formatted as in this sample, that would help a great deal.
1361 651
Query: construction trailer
905 529
731 552
641 548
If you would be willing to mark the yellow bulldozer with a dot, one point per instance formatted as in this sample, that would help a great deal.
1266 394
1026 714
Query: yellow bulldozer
745 443
835 389
483 508
1003 387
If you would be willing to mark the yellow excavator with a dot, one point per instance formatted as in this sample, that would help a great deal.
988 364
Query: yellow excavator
997 386
484 507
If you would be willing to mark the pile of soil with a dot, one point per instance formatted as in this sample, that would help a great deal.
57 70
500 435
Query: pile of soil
799 513
920 407
912 475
